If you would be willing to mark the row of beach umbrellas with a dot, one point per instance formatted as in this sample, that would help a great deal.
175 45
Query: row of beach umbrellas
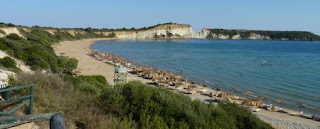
300 105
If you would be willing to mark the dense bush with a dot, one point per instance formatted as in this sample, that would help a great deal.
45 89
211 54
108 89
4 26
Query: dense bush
66 65
10 64
131 105
153 107
13 36
36 51
53 94
88 84
2 32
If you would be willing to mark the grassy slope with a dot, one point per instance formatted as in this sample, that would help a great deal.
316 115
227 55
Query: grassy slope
131 105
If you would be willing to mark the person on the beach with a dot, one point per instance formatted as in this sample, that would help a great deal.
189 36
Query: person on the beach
1 98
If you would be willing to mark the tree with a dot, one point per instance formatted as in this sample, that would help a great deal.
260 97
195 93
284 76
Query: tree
67 65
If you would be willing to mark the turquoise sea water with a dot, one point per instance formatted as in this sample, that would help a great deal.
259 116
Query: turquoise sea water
293 73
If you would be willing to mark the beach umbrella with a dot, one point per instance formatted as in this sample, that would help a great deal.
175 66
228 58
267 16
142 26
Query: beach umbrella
301 105
235 90
261 97
178 84
192 86
170 82
155 80
160 72
280 101
204 85
191 82
252 102
177 77
248 93
216 89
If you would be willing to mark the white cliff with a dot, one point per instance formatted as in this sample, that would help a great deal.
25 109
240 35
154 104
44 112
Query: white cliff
164 31
10 30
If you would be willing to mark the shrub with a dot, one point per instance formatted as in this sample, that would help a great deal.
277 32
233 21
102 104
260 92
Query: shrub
88 84
13 36
66 65
153 107
2 32
11 25
8 62
53 94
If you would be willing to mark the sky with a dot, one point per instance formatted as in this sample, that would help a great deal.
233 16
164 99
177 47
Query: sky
299 15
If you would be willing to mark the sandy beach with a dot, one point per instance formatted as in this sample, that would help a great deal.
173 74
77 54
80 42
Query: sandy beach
81 50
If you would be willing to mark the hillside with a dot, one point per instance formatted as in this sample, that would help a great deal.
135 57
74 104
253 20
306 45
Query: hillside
90 102
262 35
160 31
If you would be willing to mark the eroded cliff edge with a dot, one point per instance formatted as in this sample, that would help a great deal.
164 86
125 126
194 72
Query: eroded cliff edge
170 31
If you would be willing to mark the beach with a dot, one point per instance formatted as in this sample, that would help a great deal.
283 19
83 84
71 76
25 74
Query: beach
81 50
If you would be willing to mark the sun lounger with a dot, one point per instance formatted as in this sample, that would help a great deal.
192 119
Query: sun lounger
257 110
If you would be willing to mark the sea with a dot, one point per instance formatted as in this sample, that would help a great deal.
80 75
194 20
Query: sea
287 70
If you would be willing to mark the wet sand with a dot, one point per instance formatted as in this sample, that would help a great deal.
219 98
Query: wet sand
80 49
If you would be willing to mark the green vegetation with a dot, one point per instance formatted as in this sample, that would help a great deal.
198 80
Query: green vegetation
90 84
131 105
274 35
35 48
89 102
2 32
79 107
35 51
153 107
6 24
66 65
9 63
134 29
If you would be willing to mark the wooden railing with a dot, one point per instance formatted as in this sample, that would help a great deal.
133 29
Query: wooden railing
8 119
28 98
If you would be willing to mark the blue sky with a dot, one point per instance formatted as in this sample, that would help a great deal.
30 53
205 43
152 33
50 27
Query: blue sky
228 14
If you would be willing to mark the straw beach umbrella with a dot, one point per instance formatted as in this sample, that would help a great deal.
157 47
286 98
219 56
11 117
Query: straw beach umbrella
280 101
252 102
216 89
178 84
235 90
170 82
301 105
192 86
261 97
248 93
204 85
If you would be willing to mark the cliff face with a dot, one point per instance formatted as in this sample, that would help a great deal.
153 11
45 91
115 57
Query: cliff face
253 36
9 30
161 31
173 31
262 35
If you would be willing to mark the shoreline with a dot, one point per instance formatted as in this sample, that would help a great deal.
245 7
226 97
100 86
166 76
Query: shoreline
81 50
